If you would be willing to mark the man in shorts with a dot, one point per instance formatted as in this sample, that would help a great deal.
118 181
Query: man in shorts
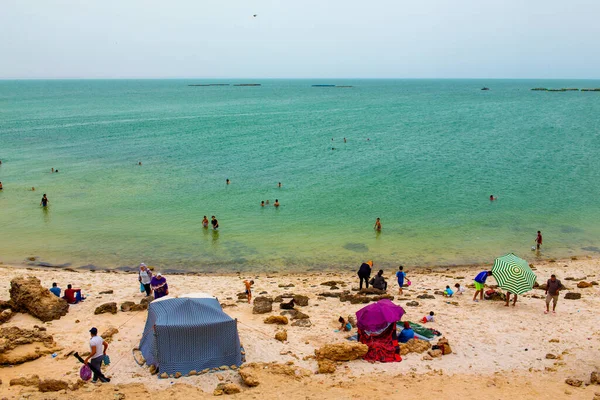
553 286
248 285
480 284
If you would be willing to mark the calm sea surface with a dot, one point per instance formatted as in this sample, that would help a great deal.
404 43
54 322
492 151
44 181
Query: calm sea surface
437 150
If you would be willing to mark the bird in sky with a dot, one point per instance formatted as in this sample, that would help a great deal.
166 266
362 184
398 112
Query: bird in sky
255 15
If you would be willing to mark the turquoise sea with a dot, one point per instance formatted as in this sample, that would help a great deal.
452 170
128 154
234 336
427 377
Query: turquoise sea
437 150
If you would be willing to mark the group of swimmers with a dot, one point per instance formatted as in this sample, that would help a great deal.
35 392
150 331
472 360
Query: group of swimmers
276 204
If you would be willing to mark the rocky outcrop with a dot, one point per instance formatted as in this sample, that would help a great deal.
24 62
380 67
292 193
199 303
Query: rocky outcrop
276 319
301 300
226 388
5 316
574 382
426 296
295 314
303 323
131 306
371 290
28 295
109 333
412 304
573 296
32 380
342 351
147 300
326 366
21 345
52 385
414 346
584 284
262 305
106 308
253 373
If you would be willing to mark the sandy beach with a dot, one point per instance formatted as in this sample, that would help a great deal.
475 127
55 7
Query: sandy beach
498 351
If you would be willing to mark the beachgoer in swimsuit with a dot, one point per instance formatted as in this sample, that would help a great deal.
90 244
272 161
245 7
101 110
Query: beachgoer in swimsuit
276 204
0 185
377 226
538 241
248 285
214 222
205 222
262 203
227 181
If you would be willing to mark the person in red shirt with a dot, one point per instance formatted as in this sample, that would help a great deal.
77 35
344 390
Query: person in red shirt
538 241
73 296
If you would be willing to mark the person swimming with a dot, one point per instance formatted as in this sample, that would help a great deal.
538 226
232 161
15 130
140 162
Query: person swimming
227 181
205 222
377 226
262 203
139 163
279 184
267 202
276 204
492 198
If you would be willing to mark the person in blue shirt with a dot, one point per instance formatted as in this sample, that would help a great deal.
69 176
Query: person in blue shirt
448 292
406 334
480 284
400 275
55 289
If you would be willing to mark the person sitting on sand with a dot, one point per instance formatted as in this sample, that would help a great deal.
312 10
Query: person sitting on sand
205 222
276 204
377 226
480 283
400 275
459 289
406 334
55 289
448 292
345 326
364 272
428 318
73 296
248 285
159 285
379 281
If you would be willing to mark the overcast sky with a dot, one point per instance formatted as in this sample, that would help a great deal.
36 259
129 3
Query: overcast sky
300 38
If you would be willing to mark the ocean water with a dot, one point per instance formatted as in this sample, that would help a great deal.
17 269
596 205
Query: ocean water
423 155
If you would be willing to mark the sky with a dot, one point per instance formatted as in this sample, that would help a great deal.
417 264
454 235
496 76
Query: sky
299 39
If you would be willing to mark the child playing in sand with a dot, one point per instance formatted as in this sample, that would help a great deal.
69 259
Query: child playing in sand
428 318
345 326
249 289
448 292
459 289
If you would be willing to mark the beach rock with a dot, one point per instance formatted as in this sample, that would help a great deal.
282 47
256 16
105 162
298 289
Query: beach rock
21 345
550 356
248 377
326 366
331 283
426 357
595 378
52 385
286 285
435 353
109 333
28 295
573 296
262 305
554 341
574 382
412 304
106 308
177 375
276 319
425 296
414 346
371 290
126 306
192 372
342 351
107 292
32 380
281 335
584 284
147 300
231 388
295 314
153 370
332 294
300 300
303 323
4 305
164 375
5 316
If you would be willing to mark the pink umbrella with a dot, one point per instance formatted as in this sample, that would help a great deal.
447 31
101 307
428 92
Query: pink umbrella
377 316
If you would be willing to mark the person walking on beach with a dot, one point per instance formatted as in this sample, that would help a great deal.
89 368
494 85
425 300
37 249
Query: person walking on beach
98 347
159 285
377 226
214 222
538 241
205 222
364 272
248 286
400 275
480 284
145 277
553 287
45 201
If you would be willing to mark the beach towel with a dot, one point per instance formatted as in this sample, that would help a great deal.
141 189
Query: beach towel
421 330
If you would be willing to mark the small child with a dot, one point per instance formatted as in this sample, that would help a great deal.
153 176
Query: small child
401 275
459 289
448 292
248 286
345 326
428 318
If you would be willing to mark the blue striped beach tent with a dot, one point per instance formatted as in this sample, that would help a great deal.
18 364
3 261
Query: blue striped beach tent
189 333
513 274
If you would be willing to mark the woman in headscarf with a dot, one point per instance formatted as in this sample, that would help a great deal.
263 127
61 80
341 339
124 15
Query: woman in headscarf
159 285
364 272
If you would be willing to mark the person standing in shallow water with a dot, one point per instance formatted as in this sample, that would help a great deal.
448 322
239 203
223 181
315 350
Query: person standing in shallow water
45 201
377 226
276 204
214 222
205 222
538 241
227 181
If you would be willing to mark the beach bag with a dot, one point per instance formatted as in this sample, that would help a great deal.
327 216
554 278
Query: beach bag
106 360
142 288
85 373
408 282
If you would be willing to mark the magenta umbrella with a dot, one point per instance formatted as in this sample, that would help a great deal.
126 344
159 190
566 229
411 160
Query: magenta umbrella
377 316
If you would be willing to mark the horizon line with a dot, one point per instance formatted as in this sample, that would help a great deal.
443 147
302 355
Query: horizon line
267 79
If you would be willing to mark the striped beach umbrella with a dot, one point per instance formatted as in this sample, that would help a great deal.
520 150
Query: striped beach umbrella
513 274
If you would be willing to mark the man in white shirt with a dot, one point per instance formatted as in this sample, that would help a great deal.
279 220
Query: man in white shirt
98 348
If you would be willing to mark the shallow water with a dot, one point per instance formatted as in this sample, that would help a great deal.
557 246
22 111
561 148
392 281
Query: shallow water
437 150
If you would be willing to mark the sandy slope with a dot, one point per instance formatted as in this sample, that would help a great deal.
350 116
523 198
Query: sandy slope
499 351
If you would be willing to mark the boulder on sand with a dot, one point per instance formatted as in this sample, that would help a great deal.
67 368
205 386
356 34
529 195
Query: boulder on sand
5 316
414 346
262 305
572 296
21 345
301 300
28 295
106 308
584 284
281 335
276 319
32 380
326 366
52 385
342 351
109 333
